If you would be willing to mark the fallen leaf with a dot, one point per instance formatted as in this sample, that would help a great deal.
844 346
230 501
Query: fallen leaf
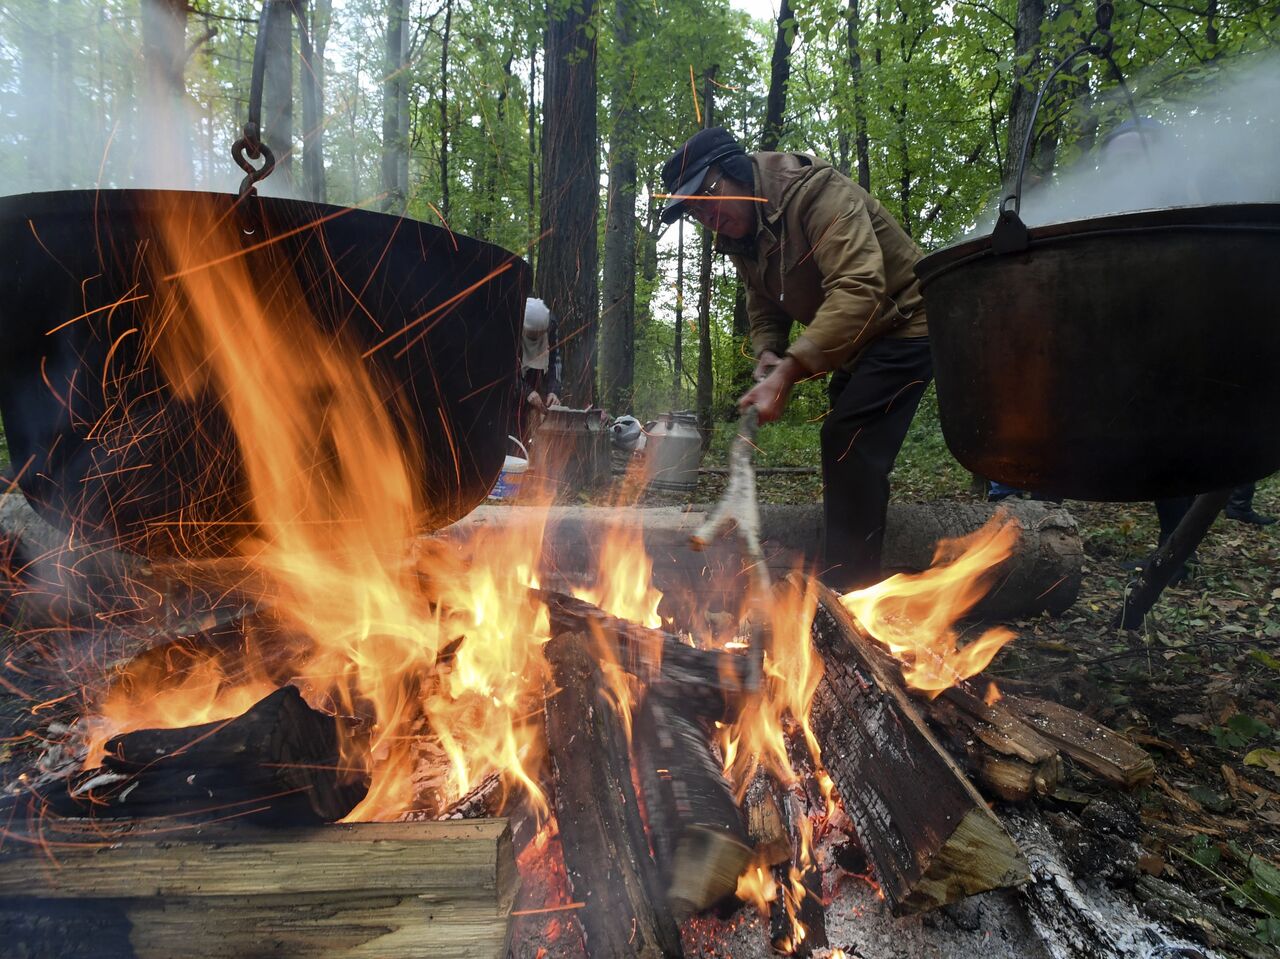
1193 720
1151 864
1268 759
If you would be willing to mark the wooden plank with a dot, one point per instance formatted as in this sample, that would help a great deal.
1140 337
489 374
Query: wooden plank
606 852
393 890
1088 742
925 829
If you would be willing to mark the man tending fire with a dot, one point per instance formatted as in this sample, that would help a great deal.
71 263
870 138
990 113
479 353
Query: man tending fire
814 248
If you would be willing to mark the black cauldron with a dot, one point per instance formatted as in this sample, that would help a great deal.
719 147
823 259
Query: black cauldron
1118 358
77 274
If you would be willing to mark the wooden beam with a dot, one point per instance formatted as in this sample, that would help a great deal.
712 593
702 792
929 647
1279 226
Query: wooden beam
925 829
216 892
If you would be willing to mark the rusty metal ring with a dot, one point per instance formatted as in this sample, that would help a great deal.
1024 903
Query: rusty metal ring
252 174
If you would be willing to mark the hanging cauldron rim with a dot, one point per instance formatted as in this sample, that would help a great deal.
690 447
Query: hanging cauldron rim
1230 217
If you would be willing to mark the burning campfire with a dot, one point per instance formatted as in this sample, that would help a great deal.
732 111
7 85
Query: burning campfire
655 778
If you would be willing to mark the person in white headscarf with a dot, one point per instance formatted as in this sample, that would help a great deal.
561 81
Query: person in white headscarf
539 366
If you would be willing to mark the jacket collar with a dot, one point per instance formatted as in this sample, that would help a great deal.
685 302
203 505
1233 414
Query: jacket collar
778 177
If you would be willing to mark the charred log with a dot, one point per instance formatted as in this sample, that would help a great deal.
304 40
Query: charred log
697 830
606 851
798 917
277 763
925 829
711 682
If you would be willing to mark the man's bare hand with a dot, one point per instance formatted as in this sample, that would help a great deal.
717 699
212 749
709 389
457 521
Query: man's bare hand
535 400
552 400
765 364
771 394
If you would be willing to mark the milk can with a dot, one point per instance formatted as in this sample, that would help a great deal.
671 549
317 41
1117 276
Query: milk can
673 451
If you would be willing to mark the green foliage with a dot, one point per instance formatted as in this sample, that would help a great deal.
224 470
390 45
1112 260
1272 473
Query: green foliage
1239 731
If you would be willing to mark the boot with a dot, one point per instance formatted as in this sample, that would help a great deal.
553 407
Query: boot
1240 507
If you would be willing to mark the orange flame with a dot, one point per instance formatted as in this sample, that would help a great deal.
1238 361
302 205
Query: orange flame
914 614
334 507
792 671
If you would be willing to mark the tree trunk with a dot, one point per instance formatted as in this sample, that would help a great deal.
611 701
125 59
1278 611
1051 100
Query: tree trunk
1026 42
312 79
677 365
706 384
444 110
618 321
167 156
36 86
532 170
395 107
779 74
277 87
862 143
567 265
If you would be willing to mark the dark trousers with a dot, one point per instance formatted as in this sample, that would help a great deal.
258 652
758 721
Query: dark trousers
871 410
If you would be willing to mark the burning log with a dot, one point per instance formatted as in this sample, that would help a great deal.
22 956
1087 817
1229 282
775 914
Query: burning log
697 830
391 890
1011 760
712 682
798 917
1092 745
277 763
606 851
925 829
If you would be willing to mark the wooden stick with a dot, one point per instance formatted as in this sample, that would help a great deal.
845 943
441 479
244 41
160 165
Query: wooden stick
606 851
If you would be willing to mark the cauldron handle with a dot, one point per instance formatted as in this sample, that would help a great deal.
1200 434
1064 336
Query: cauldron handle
1010 234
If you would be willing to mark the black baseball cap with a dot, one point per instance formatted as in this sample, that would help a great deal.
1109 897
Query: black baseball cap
683 174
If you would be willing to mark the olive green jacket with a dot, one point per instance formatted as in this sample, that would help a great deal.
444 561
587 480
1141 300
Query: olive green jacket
826 255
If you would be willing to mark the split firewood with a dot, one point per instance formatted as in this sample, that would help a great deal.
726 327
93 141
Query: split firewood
1092 745
386 890
925 829
713 683
606 851
798 916
1009 758
278 762
770 841
694 823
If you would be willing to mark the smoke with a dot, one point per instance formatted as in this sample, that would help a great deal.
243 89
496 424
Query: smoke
121 96
1224 148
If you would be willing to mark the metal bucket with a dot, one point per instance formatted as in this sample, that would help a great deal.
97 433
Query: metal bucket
673 452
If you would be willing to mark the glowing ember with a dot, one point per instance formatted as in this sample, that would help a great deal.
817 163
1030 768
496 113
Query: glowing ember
914 614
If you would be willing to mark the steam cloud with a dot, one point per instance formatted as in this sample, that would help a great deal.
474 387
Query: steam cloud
1223 149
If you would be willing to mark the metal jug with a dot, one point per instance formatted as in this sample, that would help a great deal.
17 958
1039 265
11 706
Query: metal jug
673 452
